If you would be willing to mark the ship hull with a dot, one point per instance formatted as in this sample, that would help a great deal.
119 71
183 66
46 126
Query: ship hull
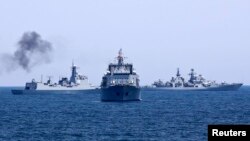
24 92
121 93
229 87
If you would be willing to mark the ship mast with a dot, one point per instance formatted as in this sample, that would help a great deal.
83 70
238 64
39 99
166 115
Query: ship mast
120 57
192 76
178 72
73 73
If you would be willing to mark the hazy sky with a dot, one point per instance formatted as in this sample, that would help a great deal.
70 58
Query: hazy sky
158 36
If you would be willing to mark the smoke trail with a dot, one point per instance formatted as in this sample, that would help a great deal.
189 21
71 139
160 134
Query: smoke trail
32 50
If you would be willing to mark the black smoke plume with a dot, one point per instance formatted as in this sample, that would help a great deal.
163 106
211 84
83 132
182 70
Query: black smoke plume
32 50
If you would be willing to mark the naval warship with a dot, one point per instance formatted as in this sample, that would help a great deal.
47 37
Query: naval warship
120 83
195 83
74 85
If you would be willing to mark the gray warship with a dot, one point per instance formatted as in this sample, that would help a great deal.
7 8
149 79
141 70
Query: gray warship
75 85
195 83
120 83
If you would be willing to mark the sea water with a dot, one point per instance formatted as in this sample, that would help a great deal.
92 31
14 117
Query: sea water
166 116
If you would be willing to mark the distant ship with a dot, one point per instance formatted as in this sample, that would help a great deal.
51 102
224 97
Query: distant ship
195 83
76 84
120 83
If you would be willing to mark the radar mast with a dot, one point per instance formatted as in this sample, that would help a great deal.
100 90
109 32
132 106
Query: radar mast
120 57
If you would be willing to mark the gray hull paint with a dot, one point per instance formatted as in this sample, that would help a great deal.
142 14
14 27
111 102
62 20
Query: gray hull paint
121 93
22 92
232 87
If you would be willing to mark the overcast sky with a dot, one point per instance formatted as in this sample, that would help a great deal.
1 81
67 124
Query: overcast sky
157 36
